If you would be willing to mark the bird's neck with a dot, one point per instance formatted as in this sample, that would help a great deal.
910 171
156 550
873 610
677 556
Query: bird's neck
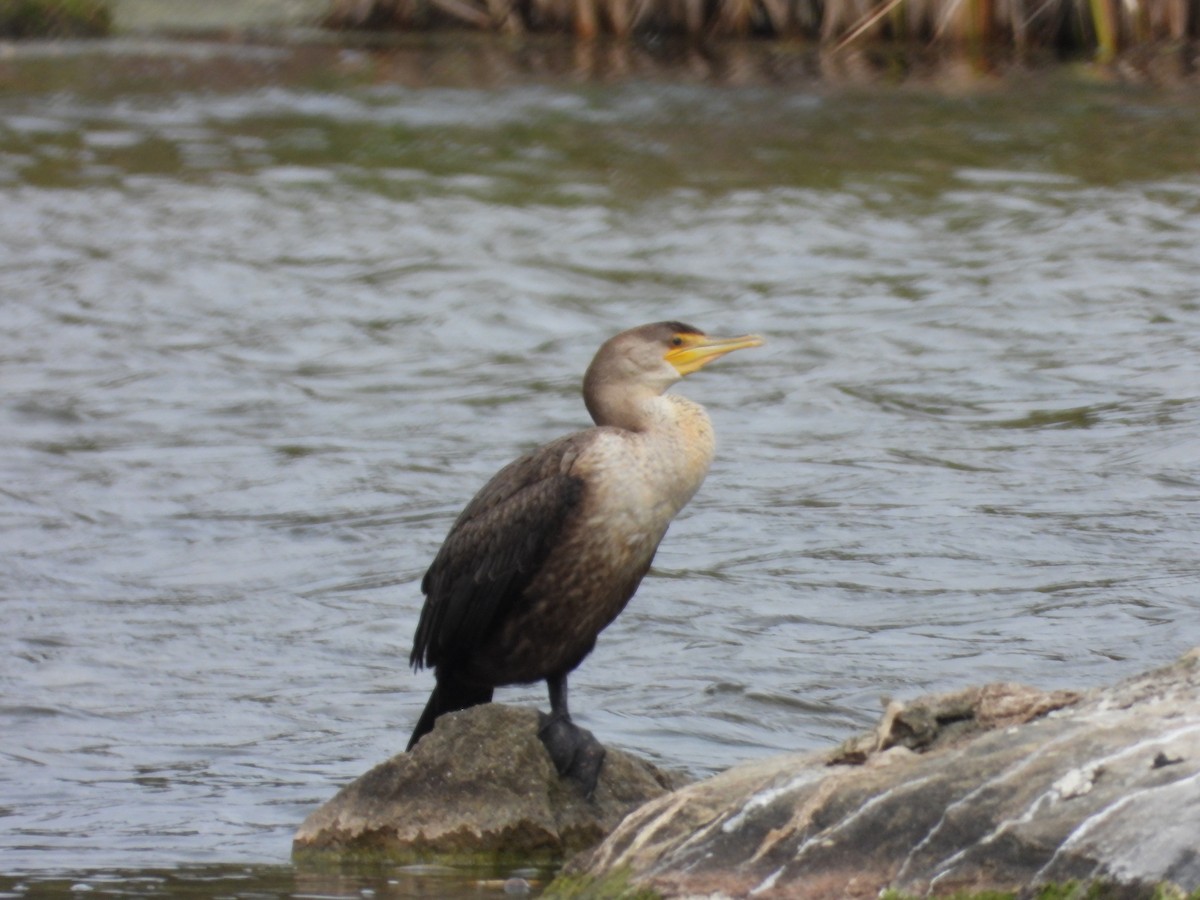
672 437
636 411
695 444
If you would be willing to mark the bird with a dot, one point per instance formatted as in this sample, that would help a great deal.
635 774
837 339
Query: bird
552 548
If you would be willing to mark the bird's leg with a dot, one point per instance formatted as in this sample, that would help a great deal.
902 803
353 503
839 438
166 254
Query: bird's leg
575 751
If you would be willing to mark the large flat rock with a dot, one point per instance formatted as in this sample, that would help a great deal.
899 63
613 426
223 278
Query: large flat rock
993 788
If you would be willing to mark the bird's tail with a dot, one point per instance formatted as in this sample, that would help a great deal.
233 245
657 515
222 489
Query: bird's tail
448 695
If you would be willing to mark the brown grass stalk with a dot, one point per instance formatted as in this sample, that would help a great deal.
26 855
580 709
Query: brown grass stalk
867 23
1107 28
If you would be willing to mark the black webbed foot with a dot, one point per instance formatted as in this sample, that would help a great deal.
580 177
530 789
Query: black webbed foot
575 751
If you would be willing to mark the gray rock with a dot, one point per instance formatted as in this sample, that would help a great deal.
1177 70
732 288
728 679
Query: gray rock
479 788
997 788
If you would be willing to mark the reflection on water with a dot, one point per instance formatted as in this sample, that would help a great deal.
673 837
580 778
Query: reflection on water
260 344
258 882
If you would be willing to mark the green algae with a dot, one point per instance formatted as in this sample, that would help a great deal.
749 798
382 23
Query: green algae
614 886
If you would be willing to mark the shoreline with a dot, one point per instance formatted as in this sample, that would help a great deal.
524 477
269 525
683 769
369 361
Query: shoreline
1098 30
246 58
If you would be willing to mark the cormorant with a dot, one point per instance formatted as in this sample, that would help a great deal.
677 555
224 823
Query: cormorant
551 549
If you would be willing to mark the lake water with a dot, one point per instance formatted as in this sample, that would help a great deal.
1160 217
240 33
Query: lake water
272 315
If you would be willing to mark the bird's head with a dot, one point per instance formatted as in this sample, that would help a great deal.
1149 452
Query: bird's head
649 359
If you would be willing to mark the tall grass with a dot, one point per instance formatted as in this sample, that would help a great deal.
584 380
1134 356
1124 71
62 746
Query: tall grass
1104 26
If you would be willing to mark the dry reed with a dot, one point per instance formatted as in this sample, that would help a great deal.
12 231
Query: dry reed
1103 26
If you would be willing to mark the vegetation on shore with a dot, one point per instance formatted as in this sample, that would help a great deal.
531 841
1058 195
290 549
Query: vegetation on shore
54 18
1103 26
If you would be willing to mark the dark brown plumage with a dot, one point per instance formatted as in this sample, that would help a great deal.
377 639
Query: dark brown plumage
551 549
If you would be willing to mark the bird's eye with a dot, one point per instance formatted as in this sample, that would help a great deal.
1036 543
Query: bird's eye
677 341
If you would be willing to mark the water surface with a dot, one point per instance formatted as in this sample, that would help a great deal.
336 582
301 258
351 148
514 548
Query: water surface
271 316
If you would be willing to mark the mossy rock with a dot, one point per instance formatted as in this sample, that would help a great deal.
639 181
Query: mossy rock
479 790
54 18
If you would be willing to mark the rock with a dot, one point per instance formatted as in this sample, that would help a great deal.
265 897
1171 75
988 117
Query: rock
998 788
479 788
939 719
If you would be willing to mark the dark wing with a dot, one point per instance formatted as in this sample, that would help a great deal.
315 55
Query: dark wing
493 551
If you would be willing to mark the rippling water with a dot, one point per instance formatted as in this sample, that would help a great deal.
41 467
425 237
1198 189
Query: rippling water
261 342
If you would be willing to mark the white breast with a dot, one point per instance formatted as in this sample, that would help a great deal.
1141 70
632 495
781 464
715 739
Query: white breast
642 479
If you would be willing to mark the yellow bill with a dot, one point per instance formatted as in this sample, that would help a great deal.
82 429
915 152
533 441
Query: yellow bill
695 351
